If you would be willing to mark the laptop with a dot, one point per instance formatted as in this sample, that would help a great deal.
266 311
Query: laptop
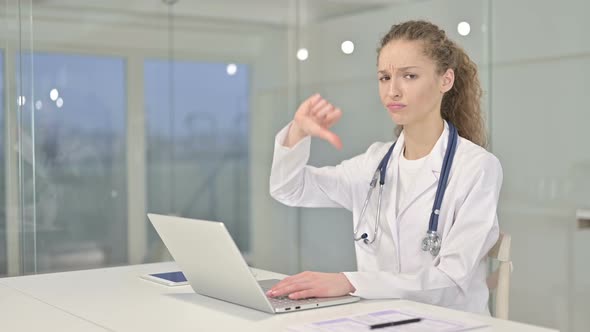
214 266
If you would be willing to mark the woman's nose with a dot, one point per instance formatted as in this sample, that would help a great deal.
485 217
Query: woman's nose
393 89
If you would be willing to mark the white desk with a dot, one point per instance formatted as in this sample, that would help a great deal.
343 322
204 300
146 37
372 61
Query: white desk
21 312
116 299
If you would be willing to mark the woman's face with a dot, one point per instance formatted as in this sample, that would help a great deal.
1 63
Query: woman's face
409 86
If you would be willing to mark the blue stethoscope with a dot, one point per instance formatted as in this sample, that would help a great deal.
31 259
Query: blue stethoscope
431 241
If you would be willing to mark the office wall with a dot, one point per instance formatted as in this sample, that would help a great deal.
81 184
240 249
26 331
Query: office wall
541 65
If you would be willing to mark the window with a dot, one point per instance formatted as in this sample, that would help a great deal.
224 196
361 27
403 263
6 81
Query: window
80 165
197 143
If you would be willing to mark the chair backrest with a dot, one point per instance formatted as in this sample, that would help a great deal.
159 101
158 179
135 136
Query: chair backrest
499 280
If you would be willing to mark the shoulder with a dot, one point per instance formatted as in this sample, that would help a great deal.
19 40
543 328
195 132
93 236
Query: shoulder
477 161
363 164
378 148
375 151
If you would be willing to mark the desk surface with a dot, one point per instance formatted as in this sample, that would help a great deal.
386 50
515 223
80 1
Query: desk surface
116 299
22 312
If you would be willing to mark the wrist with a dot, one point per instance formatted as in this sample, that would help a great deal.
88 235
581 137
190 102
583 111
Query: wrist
296 131
294 135
351 288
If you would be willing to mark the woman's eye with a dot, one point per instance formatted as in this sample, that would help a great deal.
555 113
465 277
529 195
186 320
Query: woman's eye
410 76
384 78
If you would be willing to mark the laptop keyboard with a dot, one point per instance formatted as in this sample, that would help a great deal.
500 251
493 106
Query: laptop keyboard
284 301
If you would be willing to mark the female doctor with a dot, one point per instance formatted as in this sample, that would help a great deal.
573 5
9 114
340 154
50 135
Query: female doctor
407 245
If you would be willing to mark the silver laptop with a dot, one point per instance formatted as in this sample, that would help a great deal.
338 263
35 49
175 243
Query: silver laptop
214 266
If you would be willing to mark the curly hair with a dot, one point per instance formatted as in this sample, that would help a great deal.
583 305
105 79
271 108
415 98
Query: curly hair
462 104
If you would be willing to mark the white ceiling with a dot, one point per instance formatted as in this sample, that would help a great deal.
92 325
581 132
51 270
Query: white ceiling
279 12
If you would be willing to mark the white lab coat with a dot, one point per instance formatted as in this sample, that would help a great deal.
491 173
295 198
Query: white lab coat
394 266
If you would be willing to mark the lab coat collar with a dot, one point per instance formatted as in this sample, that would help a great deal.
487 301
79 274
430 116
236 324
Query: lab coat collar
429 173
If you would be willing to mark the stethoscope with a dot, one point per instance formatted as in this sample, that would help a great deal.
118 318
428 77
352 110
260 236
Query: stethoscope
431 241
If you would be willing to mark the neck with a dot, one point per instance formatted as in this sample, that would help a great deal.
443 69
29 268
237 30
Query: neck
421 137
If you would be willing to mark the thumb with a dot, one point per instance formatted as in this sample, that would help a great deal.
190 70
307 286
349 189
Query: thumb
329 136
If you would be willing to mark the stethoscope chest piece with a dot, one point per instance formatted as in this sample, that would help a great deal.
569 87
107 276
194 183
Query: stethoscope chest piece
431 243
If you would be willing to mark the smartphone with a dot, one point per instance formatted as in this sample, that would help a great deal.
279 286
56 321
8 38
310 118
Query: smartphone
175 278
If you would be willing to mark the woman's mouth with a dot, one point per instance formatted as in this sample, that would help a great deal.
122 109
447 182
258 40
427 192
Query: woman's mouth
395 106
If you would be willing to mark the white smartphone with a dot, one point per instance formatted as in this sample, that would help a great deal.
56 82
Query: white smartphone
174 278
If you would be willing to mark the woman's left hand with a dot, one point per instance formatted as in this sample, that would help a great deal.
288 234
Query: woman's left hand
312 284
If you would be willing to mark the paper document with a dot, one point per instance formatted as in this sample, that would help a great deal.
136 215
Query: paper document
364 321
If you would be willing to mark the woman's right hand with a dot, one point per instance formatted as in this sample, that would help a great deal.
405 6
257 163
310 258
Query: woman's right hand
314 117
